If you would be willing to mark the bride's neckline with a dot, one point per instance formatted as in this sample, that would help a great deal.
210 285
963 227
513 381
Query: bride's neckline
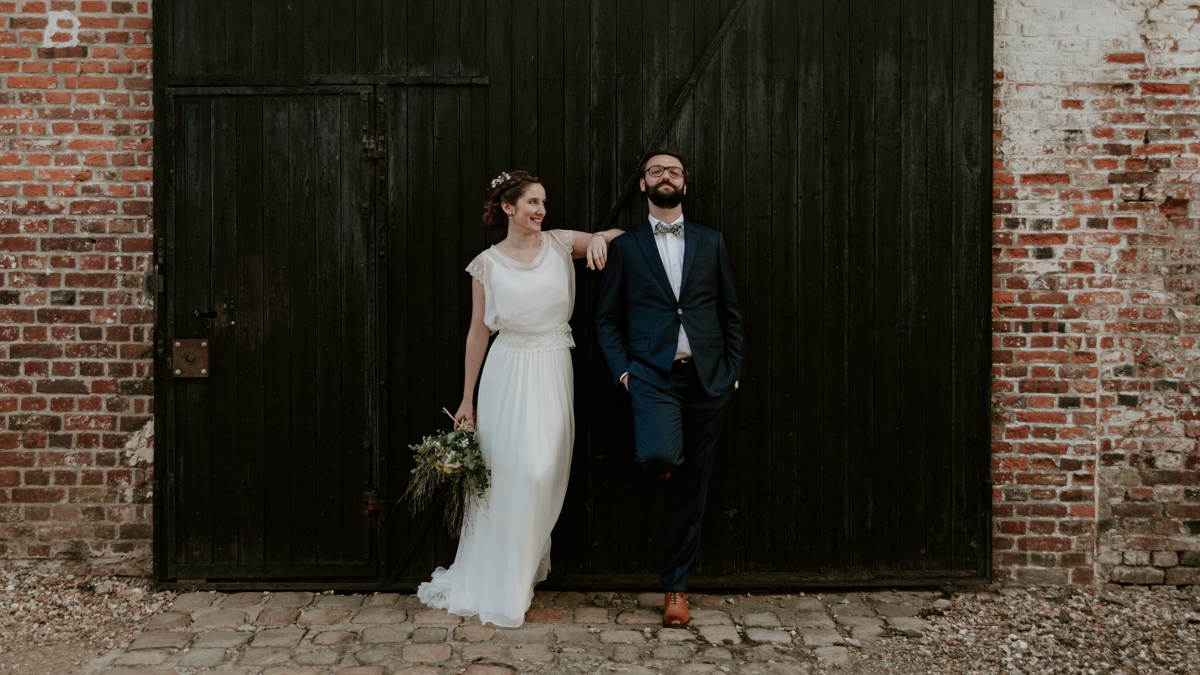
521 265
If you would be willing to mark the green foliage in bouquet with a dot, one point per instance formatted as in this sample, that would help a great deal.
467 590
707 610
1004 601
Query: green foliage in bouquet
450 460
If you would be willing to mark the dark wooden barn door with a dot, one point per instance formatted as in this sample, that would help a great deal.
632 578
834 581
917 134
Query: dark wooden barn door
272 261
320 168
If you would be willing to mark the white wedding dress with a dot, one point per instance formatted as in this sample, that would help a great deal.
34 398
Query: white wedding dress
526 427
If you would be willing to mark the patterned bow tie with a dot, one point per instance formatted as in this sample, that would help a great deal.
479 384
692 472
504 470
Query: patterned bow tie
663 228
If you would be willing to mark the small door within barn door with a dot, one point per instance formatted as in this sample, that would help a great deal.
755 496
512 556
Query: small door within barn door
270 271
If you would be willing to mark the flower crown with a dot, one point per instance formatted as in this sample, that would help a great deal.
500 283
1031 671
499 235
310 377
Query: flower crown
500 179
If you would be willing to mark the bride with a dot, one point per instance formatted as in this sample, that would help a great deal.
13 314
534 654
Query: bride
524 289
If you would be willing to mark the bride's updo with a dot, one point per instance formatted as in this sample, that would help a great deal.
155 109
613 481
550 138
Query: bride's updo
506 188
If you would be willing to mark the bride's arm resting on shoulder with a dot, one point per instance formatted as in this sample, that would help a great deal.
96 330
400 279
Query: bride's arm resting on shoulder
594 246
477 340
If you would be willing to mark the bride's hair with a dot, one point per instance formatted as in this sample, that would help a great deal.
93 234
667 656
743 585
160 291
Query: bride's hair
507 188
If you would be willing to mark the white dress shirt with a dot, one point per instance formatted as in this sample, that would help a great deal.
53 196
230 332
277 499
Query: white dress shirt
670 250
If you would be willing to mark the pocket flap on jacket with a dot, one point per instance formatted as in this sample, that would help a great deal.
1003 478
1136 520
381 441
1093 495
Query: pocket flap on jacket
642 345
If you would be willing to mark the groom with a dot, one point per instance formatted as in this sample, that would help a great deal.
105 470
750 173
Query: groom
669 325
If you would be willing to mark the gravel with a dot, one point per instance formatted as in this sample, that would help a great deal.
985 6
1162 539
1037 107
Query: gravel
46 617
1087 631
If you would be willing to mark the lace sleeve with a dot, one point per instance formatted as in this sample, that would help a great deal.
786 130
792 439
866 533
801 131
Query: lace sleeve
477 268
566 238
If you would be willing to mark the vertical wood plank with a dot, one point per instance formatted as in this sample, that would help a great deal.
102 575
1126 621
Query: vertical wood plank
630 117
607 403
265 41
681 59
727 501
399 391
422 376
813 490
940 336
290 29
306 224
570 549
343 36
279 191
473 34
447 352
421 37
786 326
194 442
250 310
914 240
836 201
395 40
972 236
703 143
327 324
655 65
369 37
501 132
355 325
185 38
226 384
250 332
757 373
447 43
550 110
240 35
860 280
209 27
887 475
316 25
526 105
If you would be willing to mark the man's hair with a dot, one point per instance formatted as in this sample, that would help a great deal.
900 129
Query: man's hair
687 174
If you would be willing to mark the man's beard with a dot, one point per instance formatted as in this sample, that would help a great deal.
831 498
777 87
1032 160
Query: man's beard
666 200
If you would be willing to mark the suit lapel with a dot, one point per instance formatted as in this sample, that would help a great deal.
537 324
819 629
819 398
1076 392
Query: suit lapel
645 238
691 241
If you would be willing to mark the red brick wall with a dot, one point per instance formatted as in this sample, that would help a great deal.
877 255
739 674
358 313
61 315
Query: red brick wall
75 241
1095 284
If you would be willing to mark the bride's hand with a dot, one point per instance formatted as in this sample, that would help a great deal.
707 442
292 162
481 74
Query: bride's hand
597 252
465 416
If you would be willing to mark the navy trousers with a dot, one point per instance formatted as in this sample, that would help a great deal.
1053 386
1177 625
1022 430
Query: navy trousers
678 430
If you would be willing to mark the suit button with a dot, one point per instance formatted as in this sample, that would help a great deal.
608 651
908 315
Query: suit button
680 311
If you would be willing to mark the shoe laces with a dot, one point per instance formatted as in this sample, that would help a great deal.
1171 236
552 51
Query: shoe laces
674 598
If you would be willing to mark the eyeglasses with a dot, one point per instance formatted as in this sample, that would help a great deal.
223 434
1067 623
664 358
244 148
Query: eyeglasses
672 171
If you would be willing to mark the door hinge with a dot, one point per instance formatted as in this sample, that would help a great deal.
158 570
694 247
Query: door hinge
158 283
374 147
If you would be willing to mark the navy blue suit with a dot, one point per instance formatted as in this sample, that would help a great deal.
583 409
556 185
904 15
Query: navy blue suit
677 405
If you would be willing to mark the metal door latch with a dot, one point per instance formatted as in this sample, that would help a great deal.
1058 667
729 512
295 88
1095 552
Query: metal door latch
374 147
372 502
190 358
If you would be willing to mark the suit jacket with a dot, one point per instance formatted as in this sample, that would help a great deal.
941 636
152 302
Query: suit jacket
638 317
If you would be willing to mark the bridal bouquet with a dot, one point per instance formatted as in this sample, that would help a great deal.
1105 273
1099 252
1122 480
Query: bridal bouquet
449 460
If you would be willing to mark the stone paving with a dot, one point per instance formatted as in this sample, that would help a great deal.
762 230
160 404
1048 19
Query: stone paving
297 633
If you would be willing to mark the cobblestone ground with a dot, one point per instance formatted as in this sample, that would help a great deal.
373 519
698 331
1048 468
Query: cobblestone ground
388 634
1109 630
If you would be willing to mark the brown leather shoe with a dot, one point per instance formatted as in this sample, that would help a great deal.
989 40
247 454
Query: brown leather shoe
665 477
675 609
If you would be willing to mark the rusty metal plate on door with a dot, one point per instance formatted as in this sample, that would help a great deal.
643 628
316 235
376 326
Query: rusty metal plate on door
190 358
